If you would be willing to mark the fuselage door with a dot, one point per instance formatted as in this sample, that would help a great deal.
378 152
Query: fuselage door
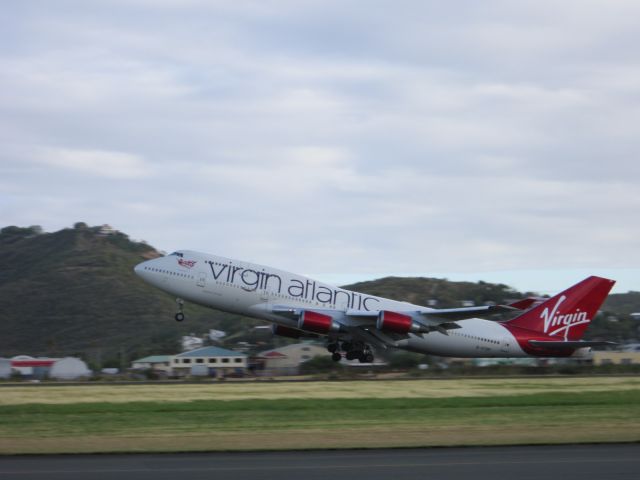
264 296
202 279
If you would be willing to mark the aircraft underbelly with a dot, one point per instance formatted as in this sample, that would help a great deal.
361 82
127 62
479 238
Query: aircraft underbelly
476 339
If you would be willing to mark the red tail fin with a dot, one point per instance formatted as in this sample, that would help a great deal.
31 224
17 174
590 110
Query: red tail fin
569 313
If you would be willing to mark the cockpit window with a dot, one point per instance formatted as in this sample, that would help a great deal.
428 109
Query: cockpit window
176 254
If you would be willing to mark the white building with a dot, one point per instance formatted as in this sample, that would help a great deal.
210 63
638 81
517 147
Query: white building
27 366
287 360
158 363
5 368
68 368
608 357
191 342
106 230
209 361
216 335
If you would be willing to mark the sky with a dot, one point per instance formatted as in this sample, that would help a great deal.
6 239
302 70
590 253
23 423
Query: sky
493 140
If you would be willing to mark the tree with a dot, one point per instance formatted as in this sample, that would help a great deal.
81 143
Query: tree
319 364
405 360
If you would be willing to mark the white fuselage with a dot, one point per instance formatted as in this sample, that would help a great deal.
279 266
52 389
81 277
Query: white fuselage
253 290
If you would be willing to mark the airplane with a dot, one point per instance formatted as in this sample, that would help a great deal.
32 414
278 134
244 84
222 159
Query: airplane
354 324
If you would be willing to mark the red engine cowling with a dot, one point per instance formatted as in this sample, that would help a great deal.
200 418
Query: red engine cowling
317 322
290 332
398 323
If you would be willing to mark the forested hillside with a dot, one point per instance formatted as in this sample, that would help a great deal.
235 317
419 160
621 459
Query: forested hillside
74 292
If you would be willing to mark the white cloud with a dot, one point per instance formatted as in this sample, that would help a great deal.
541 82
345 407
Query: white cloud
99 163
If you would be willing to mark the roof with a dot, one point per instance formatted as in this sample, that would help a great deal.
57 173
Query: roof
34 362
211 352
273 354
154 359
295 347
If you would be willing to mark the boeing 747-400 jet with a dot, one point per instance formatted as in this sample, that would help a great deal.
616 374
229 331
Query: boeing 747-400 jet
355 323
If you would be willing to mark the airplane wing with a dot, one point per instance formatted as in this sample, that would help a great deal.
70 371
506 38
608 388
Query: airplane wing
441 315
362 323
359 324
454 314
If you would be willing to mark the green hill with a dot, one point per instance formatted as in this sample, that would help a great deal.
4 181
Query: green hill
73 292
445 293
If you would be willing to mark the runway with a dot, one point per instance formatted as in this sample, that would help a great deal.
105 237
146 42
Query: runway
584 462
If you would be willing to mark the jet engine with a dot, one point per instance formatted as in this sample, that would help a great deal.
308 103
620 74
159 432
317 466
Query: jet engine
317 322
398 323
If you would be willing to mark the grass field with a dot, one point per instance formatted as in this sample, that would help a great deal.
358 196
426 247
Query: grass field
318 415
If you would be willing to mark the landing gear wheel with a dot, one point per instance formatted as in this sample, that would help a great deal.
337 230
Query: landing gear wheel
179 316
352 355
336 356
332 347
368 358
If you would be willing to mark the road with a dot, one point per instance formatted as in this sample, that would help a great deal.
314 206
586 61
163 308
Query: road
584 462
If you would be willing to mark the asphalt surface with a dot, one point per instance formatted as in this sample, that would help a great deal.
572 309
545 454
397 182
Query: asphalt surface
585 462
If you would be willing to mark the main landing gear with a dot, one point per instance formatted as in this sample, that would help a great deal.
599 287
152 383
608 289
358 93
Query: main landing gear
180 315
354 350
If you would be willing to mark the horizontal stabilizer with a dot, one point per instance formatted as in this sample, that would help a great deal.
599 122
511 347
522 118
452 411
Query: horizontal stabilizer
569 345
526 303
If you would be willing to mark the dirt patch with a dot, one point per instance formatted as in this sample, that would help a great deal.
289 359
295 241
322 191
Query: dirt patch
264 390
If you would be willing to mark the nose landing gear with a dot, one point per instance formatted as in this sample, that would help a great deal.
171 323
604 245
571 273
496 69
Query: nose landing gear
180 315
334 348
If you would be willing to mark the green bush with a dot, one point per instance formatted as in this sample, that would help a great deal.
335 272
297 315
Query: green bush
320 364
